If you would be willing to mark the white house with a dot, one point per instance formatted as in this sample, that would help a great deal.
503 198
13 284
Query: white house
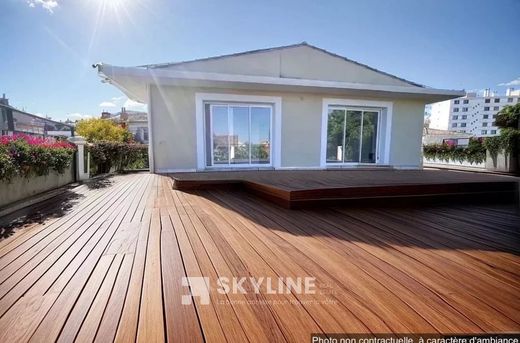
290 107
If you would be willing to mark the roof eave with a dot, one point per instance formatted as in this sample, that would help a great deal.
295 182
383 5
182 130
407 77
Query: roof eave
114 74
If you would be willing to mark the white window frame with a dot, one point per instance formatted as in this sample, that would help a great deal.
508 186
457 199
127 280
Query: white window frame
384 108
229 104
240 99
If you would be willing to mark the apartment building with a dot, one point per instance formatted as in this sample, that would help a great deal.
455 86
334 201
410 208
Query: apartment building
474 113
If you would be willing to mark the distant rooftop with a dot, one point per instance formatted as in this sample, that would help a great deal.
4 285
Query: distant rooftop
489 93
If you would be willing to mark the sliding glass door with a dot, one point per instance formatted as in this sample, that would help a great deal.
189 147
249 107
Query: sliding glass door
352 135
238 134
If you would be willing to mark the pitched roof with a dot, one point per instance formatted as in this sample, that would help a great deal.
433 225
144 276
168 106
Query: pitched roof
169 64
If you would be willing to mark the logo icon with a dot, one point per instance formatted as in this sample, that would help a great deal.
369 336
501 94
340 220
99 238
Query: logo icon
199 287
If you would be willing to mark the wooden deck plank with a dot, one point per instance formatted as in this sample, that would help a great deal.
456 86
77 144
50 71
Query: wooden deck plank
84 198
35 244
127 328
371 186
82 306
258 323
53 322
447 287
181 320
111 268
210 324
228 318
399 316
151 321
40 258
463 275
245 261
53 264
90 325
276 253
108 325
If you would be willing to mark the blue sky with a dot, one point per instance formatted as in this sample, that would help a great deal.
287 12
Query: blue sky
48 46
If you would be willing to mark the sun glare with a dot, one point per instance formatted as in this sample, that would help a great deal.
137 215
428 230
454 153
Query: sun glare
113 4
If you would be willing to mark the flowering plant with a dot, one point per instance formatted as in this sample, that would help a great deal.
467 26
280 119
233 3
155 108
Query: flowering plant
25 155
475 152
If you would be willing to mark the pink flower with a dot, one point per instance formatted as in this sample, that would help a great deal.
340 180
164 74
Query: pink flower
47 142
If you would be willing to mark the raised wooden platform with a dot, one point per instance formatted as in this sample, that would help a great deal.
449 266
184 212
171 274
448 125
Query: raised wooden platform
296 189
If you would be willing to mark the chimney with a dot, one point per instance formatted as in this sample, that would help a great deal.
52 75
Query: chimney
124 115
486 92
4 100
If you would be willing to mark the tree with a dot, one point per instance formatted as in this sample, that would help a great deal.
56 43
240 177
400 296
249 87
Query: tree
508 117
508 120
96 130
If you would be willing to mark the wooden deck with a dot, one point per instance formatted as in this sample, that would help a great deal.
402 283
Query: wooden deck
111 268
297 189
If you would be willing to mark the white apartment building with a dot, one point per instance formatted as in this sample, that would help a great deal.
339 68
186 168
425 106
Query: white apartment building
474 114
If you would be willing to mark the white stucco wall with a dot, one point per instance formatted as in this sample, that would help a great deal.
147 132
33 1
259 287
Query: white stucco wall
25 187
174 140
292 62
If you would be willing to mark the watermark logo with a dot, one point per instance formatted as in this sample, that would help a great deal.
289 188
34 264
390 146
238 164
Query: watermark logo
200 286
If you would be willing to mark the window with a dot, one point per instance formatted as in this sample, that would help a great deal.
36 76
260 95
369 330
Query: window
462 124
464 109
238 134
497 100
351 135
487 101
484 124
509 99
456 102
486 108
464 116
465 101
454 125
485 116
454 117
496 108
494 116
493 132
483 132
456 109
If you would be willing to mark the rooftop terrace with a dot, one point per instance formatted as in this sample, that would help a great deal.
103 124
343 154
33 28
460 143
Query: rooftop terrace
109 267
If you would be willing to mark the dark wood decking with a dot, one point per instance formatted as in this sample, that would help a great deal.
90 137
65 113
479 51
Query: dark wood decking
296 189
111 268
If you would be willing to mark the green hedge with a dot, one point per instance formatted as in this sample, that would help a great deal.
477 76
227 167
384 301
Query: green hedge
474 153
121 156
23 155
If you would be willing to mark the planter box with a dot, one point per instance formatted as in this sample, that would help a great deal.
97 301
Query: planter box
20 187
451 163
502 163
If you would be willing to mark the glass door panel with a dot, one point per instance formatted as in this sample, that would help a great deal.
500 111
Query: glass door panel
352 136
260 135
335 135
369 143
239 138
238 134
220 126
